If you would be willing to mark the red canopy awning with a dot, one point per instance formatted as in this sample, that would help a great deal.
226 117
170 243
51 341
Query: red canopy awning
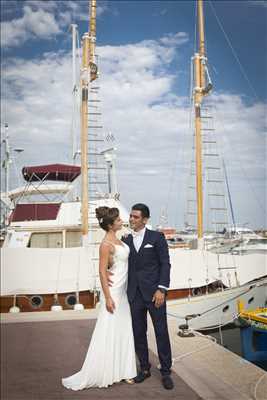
51 172
35 212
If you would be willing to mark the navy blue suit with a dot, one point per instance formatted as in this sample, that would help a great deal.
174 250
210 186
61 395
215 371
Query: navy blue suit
149 268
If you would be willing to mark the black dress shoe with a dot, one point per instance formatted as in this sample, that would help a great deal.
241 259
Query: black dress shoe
141 376
167 382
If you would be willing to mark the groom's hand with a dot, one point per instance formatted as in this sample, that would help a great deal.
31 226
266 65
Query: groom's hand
109 274
158 298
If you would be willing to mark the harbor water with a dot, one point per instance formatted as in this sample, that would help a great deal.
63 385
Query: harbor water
230 339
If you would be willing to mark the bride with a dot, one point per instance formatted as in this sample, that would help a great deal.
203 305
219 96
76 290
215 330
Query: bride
111 355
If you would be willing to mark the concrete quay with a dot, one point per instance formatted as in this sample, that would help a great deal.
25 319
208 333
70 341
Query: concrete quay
41 347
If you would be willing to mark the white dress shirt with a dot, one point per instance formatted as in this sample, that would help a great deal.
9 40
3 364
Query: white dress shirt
138 238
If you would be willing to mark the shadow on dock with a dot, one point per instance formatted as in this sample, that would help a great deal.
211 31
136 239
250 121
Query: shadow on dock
35 356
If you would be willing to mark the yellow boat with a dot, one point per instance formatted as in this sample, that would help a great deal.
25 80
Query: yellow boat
253 332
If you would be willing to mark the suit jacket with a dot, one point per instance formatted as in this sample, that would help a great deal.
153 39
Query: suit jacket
150 266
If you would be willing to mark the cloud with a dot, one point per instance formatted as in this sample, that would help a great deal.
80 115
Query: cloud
175 40
42 4
258 3
246 135
42 19
32 25
160 13
148 119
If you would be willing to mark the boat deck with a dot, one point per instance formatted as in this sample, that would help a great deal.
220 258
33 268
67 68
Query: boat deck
38 349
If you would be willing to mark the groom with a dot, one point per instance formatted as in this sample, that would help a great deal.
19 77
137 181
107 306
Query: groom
148 282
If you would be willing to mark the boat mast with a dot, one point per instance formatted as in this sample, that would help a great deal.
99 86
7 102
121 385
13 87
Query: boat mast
88 74
92 40
74 88
229 195
200 90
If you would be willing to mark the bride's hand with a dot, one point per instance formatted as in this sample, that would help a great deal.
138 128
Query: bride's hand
110 305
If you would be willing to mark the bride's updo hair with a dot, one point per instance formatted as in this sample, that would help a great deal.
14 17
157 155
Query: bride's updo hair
106 216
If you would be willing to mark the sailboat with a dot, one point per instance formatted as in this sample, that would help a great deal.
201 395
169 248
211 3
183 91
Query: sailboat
50 253
211 281
50 250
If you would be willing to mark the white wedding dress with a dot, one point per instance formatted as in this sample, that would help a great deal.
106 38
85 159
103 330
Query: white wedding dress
111 355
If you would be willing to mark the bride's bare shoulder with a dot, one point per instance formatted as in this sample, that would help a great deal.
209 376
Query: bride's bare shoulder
106 246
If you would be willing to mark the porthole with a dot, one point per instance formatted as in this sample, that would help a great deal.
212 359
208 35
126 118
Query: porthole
36 301
226 308
196 292
250 300
70 300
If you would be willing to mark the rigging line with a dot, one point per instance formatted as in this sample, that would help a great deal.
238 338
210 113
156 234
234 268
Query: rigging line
219 144
234 389
220 163
172 179
214 341
192 352
179 194
79 48
171 184
190 127
234 53
264 375
249 183
247 178
229 194
218 305
227 301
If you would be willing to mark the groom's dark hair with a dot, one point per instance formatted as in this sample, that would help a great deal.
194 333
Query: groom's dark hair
143 208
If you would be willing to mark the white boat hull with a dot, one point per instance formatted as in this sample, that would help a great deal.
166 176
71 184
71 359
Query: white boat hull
219 308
